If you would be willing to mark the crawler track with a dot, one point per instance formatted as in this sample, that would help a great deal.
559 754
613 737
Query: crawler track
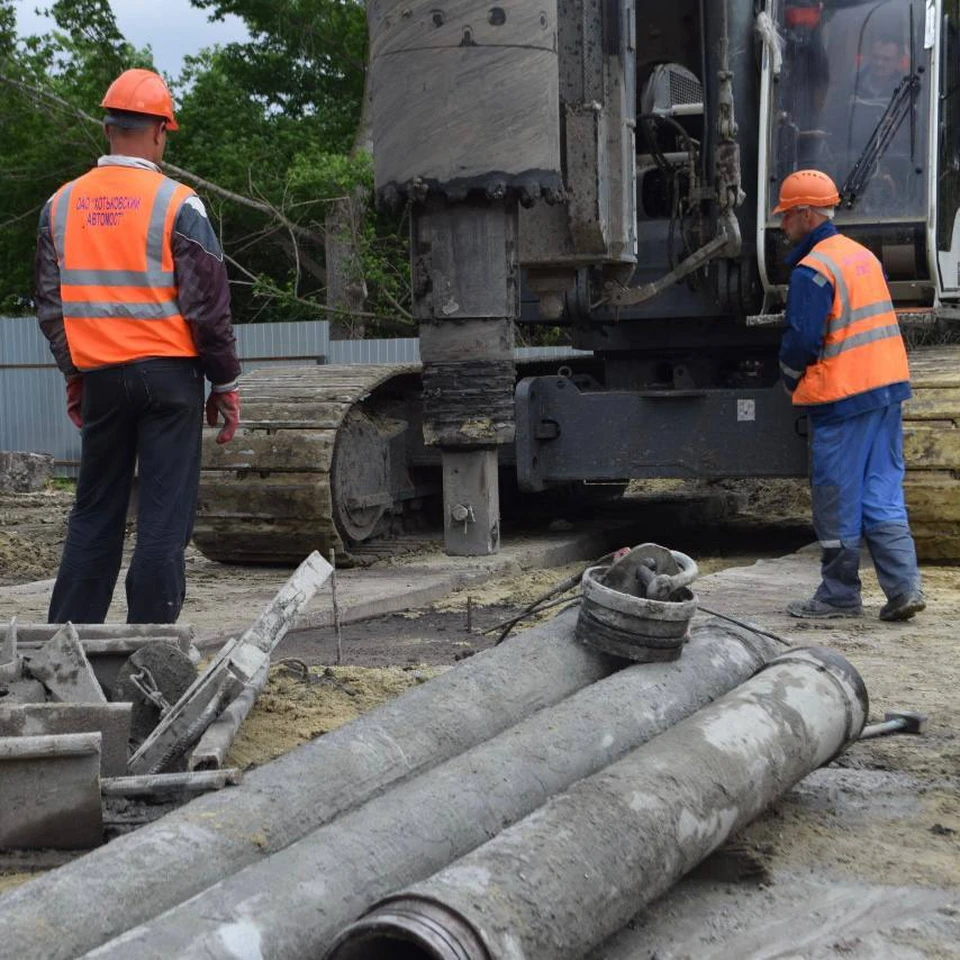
318 464
932 452
330 458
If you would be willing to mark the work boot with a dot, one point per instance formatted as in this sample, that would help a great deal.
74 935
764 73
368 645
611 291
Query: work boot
814 609
903 606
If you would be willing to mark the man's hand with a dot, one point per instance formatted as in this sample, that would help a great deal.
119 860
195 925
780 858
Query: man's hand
228 405
74 400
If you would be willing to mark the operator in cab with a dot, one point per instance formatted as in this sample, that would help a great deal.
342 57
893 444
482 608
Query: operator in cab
843 359
133 295
874 87
883 71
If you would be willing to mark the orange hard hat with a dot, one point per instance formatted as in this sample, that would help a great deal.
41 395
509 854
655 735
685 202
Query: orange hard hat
807 188
141 91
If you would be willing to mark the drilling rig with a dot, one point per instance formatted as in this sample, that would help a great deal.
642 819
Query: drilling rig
609 168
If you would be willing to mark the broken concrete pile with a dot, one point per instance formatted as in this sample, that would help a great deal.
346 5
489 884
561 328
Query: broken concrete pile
75 700
22 472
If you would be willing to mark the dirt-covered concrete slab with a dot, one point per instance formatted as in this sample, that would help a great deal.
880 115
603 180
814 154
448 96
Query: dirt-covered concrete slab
222 600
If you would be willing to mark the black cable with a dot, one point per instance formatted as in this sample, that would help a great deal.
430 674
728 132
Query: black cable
746 625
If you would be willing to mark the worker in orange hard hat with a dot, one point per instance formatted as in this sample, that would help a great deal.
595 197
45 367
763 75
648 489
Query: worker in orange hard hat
842 358
133 296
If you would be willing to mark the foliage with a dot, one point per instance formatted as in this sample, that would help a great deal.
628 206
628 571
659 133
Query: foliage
41 150
315 173
305 59
271 122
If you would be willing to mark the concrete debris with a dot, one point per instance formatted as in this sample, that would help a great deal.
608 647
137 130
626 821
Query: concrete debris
122 637
110 720
54 751
167 784
108 645
22 691
56 682
50 792
211 751
24 472
9 662
153 679
62 667
236 665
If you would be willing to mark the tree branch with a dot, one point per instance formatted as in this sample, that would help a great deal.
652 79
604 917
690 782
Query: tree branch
21 216
208 185
406 314
277 293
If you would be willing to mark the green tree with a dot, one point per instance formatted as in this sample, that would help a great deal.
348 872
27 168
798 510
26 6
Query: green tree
269 134
42 144
305 64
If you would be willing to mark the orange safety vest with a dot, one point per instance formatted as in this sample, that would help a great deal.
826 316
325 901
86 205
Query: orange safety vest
862 348
112 232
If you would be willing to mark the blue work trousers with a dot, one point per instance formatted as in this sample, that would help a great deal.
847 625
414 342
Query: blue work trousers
147 413
857 493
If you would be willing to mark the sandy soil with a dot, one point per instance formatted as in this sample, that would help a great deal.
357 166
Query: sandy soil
296 707
32 527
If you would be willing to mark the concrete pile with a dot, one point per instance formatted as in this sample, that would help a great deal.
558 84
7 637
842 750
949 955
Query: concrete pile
89 712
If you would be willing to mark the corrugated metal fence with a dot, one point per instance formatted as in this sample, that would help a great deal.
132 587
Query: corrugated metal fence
32 402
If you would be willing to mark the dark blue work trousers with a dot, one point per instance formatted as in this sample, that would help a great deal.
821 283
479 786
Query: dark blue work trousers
857 492
149 412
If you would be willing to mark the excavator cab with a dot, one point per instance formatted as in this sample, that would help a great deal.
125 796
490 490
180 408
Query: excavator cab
869 92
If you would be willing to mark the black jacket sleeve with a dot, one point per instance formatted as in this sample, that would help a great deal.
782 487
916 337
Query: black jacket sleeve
46 275
204 292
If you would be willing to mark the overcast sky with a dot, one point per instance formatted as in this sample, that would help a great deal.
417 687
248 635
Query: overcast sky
172 28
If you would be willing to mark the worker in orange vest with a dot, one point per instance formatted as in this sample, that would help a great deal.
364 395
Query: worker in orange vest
842 358
133 296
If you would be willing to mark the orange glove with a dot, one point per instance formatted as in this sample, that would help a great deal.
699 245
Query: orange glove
74 400
228 405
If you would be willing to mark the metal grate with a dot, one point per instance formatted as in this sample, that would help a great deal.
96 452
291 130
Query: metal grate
670 86
684 88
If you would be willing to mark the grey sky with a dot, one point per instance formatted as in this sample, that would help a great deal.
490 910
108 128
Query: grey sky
172 28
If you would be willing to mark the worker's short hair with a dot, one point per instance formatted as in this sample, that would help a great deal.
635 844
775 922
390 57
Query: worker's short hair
128 120
827 212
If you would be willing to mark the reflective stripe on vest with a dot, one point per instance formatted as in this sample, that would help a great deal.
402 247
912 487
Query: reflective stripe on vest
862 348
112 231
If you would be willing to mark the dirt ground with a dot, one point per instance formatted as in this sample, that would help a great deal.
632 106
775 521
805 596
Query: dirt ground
32 527
887 812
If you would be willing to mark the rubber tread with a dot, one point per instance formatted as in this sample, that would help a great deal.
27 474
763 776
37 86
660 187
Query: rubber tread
266 496
931 441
